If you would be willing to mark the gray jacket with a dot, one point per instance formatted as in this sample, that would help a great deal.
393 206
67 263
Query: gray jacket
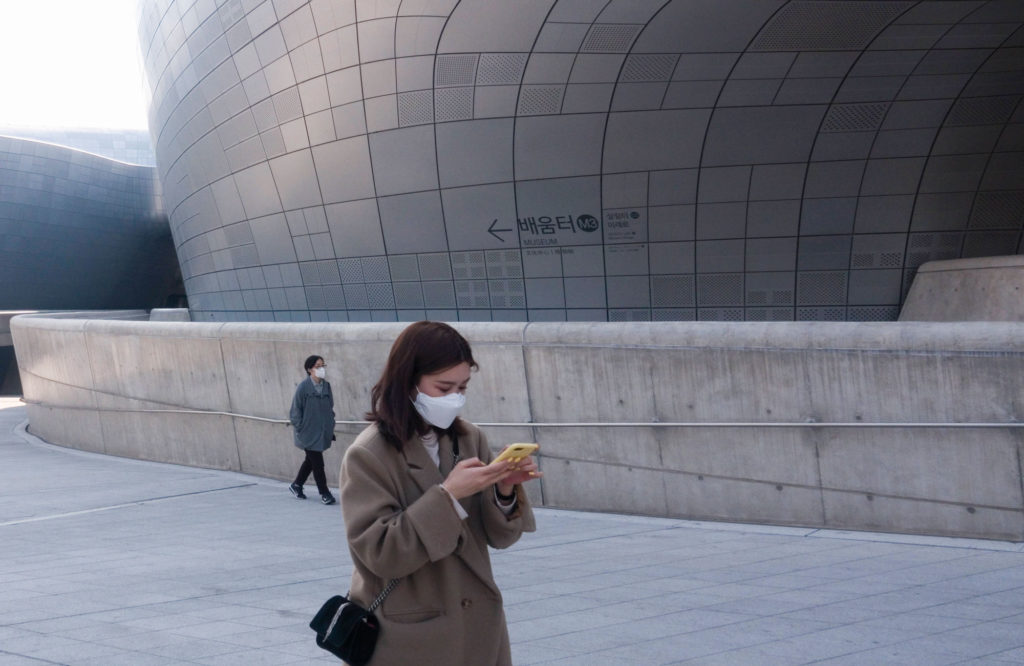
312 416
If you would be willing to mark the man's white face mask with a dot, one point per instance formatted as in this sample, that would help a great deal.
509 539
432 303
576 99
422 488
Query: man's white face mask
320 372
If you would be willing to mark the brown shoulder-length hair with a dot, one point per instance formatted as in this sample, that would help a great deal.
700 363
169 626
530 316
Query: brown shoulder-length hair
423 348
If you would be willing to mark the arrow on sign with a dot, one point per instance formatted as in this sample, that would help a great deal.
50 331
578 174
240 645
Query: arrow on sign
492 231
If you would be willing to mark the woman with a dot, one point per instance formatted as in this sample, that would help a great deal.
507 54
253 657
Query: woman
422 505
312 417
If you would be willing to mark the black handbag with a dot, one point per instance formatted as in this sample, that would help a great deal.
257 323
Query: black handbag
346 629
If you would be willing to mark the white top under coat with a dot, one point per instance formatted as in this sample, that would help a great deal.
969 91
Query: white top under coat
433 447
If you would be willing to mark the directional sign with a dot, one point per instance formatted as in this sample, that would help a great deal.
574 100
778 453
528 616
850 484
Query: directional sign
494 232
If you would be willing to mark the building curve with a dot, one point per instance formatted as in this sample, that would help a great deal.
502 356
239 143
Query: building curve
600 160
81 231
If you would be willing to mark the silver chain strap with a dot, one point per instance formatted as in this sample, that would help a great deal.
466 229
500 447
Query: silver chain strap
380 597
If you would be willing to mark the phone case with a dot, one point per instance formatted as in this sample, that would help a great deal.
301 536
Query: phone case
516 452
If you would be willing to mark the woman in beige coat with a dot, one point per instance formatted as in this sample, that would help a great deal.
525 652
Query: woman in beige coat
421 505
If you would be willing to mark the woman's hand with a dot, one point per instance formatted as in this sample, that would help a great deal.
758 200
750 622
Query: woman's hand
519 472
470 476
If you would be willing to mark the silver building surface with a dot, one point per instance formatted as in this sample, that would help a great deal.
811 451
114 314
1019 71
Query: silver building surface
132 146
623 160
80 231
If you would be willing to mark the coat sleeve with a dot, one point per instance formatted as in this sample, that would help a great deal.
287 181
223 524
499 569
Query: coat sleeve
503 530
392 541
298 404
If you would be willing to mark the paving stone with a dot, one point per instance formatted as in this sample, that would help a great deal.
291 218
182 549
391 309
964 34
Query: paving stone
163 565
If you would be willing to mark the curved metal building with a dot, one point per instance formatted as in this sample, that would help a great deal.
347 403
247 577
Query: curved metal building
80 231
582 159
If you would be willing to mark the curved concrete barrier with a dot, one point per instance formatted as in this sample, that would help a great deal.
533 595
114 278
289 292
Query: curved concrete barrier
10 383
982 289
902 427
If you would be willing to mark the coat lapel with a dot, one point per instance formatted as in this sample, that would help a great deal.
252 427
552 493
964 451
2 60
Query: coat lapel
421 468
444 452
426 475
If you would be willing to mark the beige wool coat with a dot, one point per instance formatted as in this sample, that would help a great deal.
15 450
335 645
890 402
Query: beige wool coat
446 609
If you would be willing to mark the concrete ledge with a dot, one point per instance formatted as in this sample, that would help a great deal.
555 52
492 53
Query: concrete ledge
982 289
10 382
5 325
814 424
169 314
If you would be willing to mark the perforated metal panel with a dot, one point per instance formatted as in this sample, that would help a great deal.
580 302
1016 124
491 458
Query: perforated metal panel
821 288
876 260
990 243
380 295
468 265
862 260
453 104
435 266
933 247
472 294
890 259
673 314
507 293
610 38
334 297
328 269
351 270
538 100
315 298
720 289
854 117
408 295
652 67
629 315
983 110
500 68
757 314
504 263
415 108
310 273
672 291
997 210
769 289
826 25
376 269
720 314
821 314
872 313
455 70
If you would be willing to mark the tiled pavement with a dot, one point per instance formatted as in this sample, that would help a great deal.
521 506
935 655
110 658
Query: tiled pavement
107 561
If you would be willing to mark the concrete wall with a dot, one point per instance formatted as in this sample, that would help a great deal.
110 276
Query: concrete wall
5 325
982 289
169 314
783 388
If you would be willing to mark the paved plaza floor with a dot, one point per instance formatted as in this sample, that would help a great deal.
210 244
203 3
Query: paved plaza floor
106 561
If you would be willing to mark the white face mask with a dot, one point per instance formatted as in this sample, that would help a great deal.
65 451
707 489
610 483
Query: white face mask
320 372
440 411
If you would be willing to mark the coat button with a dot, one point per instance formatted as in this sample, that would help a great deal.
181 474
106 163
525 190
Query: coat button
467 603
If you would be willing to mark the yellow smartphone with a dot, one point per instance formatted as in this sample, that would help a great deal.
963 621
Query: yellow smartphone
516 452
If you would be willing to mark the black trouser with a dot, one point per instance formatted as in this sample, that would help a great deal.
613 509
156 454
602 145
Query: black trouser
314 462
